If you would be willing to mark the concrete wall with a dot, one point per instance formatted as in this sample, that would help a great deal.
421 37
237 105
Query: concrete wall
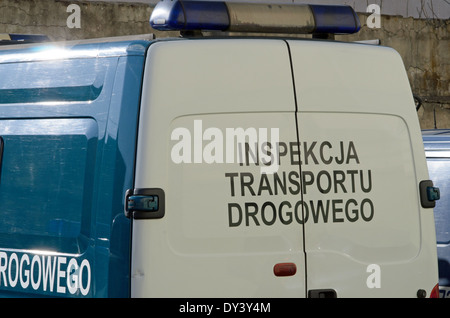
424 9
423 43
98 19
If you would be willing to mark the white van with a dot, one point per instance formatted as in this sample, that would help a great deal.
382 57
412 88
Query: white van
246 166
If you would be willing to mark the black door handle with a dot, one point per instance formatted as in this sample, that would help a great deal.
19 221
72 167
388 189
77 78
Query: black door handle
322 293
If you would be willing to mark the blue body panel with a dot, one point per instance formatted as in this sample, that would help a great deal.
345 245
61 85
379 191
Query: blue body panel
68 121
437 149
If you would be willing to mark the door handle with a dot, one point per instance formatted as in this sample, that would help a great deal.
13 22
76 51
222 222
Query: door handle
322 293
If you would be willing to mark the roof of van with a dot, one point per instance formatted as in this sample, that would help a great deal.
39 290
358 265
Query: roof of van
436 133
436 139
112 46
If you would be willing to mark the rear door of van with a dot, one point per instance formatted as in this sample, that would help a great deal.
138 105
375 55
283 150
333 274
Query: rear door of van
222 223
362 160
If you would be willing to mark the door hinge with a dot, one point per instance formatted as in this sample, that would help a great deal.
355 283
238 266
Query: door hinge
144 203
429 194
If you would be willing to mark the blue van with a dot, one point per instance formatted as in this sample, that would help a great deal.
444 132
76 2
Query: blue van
214 166
437 151
68 123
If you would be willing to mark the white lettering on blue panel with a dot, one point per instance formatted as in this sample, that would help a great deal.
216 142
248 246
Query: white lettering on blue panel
44 273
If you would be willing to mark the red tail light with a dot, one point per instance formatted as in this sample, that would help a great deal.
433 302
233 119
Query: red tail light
435 292
284 269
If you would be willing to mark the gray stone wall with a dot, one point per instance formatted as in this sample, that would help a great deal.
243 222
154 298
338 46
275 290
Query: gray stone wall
423 43
98 19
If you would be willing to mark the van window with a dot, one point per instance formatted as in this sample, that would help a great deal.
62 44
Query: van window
45 196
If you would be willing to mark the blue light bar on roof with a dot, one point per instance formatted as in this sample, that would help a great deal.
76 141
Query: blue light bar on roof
179 15
189 15
335 19
26 38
